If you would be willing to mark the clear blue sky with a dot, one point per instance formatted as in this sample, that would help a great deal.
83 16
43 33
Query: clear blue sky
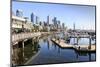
82 16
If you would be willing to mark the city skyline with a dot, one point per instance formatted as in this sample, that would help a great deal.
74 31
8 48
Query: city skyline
82 16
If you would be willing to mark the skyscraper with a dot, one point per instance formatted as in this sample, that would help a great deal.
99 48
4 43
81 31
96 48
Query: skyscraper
37 19
63 25
48 20
55 22
32 17
19 13
74 26
58 24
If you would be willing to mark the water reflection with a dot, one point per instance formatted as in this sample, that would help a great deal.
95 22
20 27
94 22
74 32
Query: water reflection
18 56
21 55
81 41
59 50
85 56
48 43
49 52
52 53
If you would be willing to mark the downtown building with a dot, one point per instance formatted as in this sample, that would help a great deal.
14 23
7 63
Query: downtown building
32 17
19 13
21 25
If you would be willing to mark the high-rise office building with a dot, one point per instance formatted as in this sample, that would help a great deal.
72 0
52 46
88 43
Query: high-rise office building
32 17
55 21
63 25
48 20
19 13
74 26
37 19
58 25
58 22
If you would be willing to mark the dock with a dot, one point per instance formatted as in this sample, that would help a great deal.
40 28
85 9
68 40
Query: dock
79 48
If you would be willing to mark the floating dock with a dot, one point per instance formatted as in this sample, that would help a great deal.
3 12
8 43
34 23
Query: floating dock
79 48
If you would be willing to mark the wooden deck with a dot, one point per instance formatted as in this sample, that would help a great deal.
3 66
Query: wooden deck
80 48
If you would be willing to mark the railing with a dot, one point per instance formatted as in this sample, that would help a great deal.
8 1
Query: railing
82 36
21 36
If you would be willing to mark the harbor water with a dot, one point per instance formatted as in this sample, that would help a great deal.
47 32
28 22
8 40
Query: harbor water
44 51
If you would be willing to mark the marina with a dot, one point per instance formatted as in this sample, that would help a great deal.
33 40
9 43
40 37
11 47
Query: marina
52 34
80 48
47 50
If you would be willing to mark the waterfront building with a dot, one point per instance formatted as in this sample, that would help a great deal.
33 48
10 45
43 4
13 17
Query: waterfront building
26 19
40 28
20 24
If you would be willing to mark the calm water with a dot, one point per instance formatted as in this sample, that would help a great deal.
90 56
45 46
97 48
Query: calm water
44 51
82 41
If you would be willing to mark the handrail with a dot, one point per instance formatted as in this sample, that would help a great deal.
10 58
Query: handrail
20 36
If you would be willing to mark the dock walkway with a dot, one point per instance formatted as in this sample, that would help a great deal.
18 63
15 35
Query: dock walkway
83 48
21 36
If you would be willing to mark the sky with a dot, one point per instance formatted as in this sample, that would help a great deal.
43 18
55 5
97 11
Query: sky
82 16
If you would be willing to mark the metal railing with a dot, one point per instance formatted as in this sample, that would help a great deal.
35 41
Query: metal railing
21 36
